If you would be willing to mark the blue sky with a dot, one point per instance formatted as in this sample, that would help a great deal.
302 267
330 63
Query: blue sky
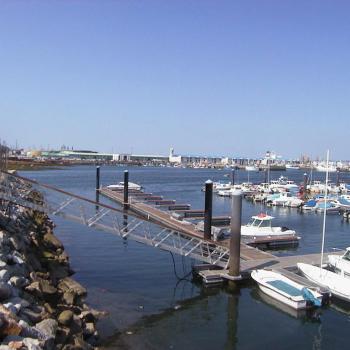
206 77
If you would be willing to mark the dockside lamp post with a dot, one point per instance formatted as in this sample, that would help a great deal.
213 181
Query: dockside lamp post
235 241
208 209
126 189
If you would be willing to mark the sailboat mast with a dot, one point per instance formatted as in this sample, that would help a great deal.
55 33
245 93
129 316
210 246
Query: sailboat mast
325 210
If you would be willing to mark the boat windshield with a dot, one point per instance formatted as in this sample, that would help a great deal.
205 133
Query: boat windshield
260 223
346 256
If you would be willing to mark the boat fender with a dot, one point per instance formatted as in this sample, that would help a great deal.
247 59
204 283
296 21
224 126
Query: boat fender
308 295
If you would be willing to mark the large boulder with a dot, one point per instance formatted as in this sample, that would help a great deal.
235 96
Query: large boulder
65 318
68 284
52 241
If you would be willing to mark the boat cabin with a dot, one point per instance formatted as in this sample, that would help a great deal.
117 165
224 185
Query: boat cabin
261 220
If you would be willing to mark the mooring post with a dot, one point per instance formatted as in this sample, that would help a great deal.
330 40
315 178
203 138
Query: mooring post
233 177
265 171
338 180
97 185
126 189
235 241
208 209
305 186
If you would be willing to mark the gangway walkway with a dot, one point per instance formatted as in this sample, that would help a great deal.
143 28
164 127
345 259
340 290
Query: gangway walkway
125 223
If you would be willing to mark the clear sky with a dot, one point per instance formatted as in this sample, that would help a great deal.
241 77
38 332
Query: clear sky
230 77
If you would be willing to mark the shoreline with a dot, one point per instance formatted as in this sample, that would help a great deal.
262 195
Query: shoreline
41 305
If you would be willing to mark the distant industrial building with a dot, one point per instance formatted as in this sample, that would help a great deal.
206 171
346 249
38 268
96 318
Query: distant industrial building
189 159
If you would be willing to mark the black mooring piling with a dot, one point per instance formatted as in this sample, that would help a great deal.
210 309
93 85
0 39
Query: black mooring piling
208 209
235 241
305 186
97 189
338 178
233 177
126 189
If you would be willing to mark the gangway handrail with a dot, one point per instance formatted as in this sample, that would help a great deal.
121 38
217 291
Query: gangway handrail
142 228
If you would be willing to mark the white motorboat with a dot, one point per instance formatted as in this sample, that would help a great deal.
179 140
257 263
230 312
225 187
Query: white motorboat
324 168
330 207
292 167
286 199
340 263
343 202
221 186
337 284
251 168
261 225
224 193
283 289
120 186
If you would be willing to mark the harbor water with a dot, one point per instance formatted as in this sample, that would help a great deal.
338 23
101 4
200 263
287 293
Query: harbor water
151 299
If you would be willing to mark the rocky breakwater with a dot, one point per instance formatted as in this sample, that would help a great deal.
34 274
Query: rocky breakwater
41 306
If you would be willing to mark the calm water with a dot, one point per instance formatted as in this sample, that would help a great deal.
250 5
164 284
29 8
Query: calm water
149 308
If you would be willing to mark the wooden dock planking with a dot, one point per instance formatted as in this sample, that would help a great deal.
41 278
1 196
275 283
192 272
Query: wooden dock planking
251 257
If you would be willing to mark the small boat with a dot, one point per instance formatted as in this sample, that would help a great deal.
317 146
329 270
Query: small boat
221 186
292 167
260 225
224 193
283 289
340 263
120 186
338 285
310 205
343 203
251 168
330 207
285 199
324 168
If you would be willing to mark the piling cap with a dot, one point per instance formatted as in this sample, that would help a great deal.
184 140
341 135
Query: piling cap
208 182
126 171
305 174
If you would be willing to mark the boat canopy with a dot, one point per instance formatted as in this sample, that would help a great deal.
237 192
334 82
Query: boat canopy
262 217
311 203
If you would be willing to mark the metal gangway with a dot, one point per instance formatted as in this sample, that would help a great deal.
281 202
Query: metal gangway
17 190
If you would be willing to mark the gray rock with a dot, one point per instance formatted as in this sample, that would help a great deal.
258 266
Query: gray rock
19 281
52 241
20 301
33 316
4 275
10 338
29 332
17 243
5 347
31 344
89 329
47 328
65 318
3 264
5 291
73 286
68 298
11 307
